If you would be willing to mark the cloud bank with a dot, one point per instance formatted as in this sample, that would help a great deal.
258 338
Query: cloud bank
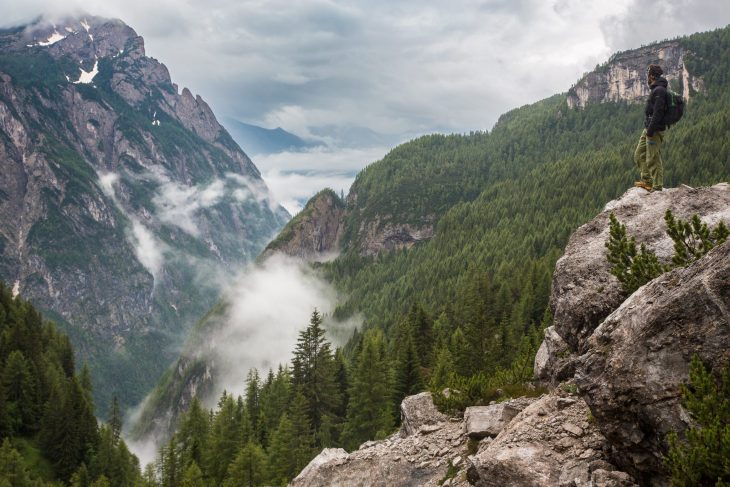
392 67
269 305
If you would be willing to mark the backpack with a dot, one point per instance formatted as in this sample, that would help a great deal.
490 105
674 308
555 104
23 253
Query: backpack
675 108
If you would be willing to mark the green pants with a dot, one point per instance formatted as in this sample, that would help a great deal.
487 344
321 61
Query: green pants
648 156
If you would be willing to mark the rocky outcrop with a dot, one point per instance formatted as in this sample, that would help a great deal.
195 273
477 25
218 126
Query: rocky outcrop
584 291
631 353
484 421
552 442
119 198
639 355
623 77
419 455
378 236
315 232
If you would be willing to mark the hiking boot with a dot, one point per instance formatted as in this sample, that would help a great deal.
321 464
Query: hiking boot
643 185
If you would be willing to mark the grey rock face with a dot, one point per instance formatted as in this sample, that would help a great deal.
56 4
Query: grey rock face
418 411
547 444
638 357
623 78
377 236
482 421
584 291
120 199
315 232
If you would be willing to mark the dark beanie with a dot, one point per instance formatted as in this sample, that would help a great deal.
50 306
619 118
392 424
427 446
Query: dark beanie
655 70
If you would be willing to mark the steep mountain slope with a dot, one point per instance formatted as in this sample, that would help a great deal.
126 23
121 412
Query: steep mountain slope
470 226
122 200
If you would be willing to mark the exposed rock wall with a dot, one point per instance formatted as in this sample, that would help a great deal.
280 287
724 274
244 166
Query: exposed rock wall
584 291
631 353
639 355
623 78
314 233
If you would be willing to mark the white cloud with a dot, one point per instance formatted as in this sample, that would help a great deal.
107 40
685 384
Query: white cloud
319 159
292 190
177 204
148 249
258 331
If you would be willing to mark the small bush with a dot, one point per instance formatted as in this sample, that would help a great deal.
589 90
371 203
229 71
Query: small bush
703 458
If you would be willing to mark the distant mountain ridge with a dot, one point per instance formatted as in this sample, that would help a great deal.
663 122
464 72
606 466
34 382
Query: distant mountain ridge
123 201
259 140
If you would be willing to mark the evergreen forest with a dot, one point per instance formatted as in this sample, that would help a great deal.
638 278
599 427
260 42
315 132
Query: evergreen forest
49 433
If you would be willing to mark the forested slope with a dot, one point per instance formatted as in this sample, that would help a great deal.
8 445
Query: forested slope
48 428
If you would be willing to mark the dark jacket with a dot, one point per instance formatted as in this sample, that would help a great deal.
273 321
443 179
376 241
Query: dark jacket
656 107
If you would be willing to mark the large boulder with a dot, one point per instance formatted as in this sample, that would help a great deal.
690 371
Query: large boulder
552 442
638 357
584 291
483 421
418 411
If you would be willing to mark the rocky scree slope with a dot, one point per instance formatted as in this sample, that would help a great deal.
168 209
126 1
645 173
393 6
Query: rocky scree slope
615 362
121 198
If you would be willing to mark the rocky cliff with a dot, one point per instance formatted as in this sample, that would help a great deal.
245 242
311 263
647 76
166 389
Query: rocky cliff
623 77
122 199
315 232
615 364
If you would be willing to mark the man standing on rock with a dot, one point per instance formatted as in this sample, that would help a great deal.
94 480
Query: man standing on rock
648 153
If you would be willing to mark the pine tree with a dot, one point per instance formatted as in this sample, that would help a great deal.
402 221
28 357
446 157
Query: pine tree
193 435
313 370
421 326
19 392
115 420
302 448
408 380
368 412
225 438
193 476
248 469
703 458
633 269
253 386
282 465
442 370
81 477
693 239
12 467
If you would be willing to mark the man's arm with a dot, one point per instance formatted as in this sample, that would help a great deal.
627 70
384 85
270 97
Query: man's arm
660 108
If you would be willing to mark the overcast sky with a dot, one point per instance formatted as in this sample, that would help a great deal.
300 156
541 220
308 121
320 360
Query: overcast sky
327 68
